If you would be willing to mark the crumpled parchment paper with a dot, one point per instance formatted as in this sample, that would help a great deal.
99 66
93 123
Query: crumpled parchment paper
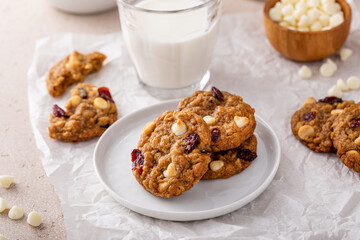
313 195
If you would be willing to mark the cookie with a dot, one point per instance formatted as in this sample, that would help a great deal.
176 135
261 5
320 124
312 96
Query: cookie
173 153
312 124
346 137
89 112
225 164
74 68
230 119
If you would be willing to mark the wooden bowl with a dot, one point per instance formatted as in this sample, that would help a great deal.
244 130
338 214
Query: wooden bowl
307 46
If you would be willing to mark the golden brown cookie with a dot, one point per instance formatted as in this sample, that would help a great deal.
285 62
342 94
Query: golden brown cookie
173 153
74 68
225 164
89 112
346 136
230 119
312 124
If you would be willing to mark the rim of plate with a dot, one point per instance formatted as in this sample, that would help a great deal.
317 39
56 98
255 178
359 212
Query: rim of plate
184 216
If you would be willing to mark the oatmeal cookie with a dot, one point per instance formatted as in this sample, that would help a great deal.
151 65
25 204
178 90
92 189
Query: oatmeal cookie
230 119
346 136
74 68
89 112
225 164
173 153
312 124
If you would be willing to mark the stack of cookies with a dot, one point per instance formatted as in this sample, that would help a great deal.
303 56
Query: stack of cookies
210 136
330 125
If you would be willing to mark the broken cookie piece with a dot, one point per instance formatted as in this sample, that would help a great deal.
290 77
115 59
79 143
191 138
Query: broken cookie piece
89 112
74 68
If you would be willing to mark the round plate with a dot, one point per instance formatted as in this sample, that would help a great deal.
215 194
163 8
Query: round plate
207 199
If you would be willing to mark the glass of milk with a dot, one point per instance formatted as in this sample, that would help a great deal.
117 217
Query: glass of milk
170 42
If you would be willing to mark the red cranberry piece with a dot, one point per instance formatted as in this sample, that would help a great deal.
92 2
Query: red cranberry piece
191 141
355 123
137 161
217 93
246 155
309 116
331 100
83 93
59 112
215 135
105 93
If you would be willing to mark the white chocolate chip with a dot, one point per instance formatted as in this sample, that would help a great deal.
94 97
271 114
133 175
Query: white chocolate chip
6 180
75 100
357 141
275 14
303 29
298 13
305 72
324 20
316 26
16 213
330 8
353 82
100 103
149 127
313 14
336 19
3 205
290 19
313 3
170 171
310 100
306 131
304 21
345 53
216 165
209 120
335 91
34 219
336 111
284 24
342 85
328 68
287 10
2 237
241 121
179 128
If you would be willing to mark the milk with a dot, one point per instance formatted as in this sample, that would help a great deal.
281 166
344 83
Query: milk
171 50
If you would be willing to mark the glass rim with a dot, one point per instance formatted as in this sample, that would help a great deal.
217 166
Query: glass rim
133 7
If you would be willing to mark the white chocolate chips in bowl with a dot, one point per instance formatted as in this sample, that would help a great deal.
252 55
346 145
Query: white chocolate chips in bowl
307 15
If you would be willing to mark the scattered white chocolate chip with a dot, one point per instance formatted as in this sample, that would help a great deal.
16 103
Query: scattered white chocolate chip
100 103
345 53
179 128
336 19
3 205
328 68
357 141
209 120
16 213
335 91
34 219
310 100
170 171
241 121
306 131
305 72
75 100
216 165
6 180
2 237
342 85
353 82
336 111
149 127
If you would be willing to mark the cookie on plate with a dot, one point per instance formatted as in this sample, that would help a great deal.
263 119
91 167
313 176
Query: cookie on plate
312 124
74 68
346 137
225 164
230 119
89 112
173 153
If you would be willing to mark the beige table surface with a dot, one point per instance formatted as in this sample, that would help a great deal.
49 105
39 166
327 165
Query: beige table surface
22 23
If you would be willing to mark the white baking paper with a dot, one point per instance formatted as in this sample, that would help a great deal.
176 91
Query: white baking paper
313 195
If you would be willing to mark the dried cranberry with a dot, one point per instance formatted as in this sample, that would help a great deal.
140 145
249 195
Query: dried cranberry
355 123
59 112
309 116
217 93
215 135
246 154
331 100
105 93
137 161
83 93
191 141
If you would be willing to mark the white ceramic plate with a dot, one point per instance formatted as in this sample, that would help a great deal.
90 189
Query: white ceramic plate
207 199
